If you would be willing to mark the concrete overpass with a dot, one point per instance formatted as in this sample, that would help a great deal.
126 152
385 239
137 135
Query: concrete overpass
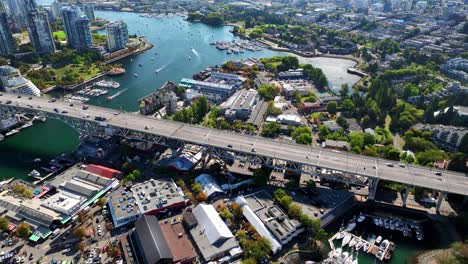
265 151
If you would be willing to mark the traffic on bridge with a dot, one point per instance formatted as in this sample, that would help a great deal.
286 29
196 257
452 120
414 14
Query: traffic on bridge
373 168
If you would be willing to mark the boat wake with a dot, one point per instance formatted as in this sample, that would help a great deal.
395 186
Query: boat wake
109 98
195 52
161 68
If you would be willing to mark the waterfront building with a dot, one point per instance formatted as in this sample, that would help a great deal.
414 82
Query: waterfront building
156 100
280 225
257 223
40 33
127 205
213 91
88 9
117 36
11 81
7 43
77 28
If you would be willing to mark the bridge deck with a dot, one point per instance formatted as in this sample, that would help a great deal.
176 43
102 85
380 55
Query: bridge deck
449 181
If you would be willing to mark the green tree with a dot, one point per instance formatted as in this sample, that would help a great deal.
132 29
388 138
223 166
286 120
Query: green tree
294 211
348 106
261 177
302 135
4 223
101 202
344 91
270 128
196 188
356 139
272 110
341 121
332 107
324 131
23 230
282 198
79 232
268 91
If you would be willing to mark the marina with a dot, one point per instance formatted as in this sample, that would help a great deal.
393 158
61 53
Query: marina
238 46
96 90
381 245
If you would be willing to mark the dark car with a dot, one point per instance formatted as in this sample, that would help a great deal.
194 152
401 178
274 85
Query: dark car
99 118
85 107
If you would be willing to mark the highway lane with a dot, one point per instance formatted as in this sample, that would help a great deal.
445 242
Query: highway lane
342 161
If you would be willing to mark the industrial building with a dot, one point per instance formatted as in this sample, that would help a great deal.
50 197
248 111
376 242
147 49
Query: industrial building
68 193
240 105
155 242
213 238
263 206
127 205
209 184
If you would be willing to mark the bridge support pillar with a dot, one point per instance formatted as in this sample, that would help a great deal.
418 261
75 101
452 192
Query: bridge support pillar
373 183
442 195
405 195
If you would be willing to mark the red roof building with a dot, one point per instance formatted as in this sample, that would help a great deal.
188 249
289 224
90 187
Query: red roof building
102 171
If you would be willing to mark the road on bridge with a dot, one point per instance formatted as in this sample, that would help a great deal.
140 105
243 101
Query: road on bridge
413 175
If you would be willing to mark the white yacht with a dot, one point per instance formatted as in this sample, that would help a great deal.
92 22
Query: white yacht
346 239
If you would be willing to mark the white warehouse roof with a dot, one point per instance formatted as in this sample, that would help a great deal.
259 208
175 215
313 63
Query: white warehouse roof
211 223
258 224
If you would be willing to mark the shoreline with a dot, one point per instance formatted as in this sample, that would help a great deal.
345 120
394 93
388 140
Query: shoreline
147 46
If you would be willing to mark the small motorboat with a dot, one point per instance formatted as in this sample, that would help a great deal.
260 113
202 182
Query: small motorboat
351 226
386 224
384 243
376 221
359 245
353 242
378 239
366 247
361 218
37 160
136 75
341 235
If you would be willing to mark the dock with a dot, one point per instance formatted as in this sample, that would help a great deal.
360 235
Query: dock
379 251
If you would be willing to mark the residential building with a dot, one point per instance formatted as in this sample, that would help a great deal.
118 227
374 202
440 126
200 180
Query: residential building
40 33
210 233
213 91
336 144
11 81
156 100
240 105
117 36
445 137
88 9
7 43
126 205
18 11
291 74
77 28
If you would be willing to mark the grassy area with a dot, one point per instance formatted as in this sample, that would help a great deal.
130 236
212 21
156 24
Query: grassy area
60 35
84 72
